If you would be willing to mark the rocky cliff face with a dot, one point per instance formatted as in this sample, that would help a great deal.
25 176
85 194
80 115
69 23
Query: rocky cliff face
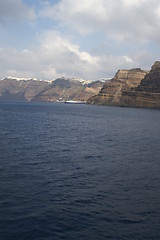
60 89
25 90
112 90
130 88
147 93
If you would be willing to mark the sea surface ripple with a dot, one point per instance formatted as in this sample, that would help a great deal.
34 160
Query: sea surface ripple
79 172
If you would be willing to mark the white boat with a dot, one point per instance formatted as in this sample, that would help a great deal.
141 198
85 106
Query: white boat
74 102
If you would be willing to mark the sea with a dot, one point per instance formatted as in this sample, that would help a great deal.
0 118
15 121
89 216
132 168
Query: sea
79 172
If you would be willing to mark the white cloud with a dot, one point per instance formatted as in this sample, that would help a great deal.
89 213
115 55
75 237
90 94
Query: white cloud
122 20
127 59
123 34
15 10
65 56
57 56
82 16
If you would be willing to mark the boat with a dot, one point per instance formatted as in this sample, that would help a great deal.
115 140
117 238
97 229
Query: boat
74 102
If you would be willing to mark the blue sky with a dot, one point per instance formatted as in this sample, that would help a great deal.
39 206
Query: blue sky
83 39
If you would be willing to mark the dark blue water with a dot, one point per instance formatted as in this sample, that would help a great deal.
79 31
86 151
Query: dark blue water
79 172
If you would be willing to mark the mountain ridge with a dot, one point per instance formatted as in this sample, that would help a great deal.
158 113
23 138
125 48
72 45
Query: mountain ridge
111 91
131 88
21 89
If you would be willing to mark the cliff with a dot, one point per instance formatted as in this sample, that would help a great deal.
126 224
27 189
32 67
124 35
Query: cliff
24 90
129 88
60 89
147 93
112 90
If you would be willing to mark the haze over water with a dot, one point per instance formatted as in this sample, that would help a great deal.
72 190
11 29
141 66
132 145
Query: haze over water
79 172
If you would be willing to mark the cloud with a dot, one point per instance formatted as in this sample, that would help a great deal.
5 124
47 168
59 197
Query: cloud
121 20
94 39
15 10
57 56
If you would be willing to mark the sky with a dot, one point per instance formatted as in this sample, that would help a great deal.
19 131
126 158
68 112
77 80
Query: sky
88 39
